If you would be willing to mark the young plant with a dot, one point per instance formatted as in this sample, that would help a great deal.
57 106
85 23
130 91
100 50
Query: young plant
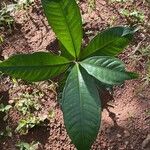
89 67
4 108
28 123
1 39
27 103
24 4
30 108
133 16
5 18
6 133
28 146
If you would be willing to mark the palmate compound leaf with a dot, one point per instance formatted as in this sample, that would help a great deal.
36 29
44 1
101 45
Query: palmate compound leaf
107 70
110 42
65 19
34 67
81 108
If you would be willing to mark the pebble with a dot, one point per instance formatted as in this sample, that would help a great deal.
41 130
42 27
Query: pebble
146 143
126 133
119 135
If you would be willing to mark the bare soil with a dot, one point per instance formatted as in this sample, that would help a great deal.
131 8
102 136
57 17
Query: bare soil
126 123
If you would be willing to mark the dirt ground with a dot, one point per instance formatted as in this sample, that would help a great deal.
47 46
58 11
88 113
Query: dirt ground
126 123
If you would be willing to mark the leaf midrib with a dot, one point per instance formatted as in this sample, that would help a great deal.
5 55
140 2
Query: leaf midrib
81 105
102 47
70 33
40 66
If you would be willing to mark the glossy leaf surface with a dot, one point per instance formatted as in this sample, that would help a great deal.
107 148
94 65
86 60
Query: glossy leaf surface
108 43
34 67
81 108
65 19
106 69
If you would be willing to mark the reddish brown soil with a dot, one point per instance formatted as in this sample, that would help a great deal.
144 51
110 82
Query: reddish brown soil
126 124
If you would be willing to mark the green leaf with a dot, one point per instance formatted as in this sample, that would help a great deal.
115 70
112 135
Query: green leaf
4 108
106 69
108 43
34 67
65 19
64 52
81 108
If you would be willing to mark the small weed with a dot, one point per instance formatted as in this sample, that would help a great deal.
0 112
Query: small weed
147 112
51 113
145 51
28 146
29 106
1 39
24 4
112 21
5 18
133 16
141 56
91 5
140 53
7 132
147 77
5 13
28 103
130 116
4 108
27 123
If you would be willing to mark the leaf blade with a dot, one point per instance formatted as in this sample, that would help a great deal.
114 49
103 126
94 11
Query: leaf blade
81 108
65 19
34 67
107 70
109 42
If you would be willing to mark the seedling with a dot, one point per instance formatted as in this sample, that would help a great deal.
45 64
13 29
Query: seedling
29 107
1 39
147 112
88 67
133 16
28 146
6 133
5 18
137 56
91 4
28 103
27 123
4 108
24 4
147 76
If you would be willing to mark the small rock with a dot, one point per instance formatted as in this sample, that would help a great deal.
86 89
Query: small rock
146 143
119 135
126 133
126 142
43 100
63 137
11 101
